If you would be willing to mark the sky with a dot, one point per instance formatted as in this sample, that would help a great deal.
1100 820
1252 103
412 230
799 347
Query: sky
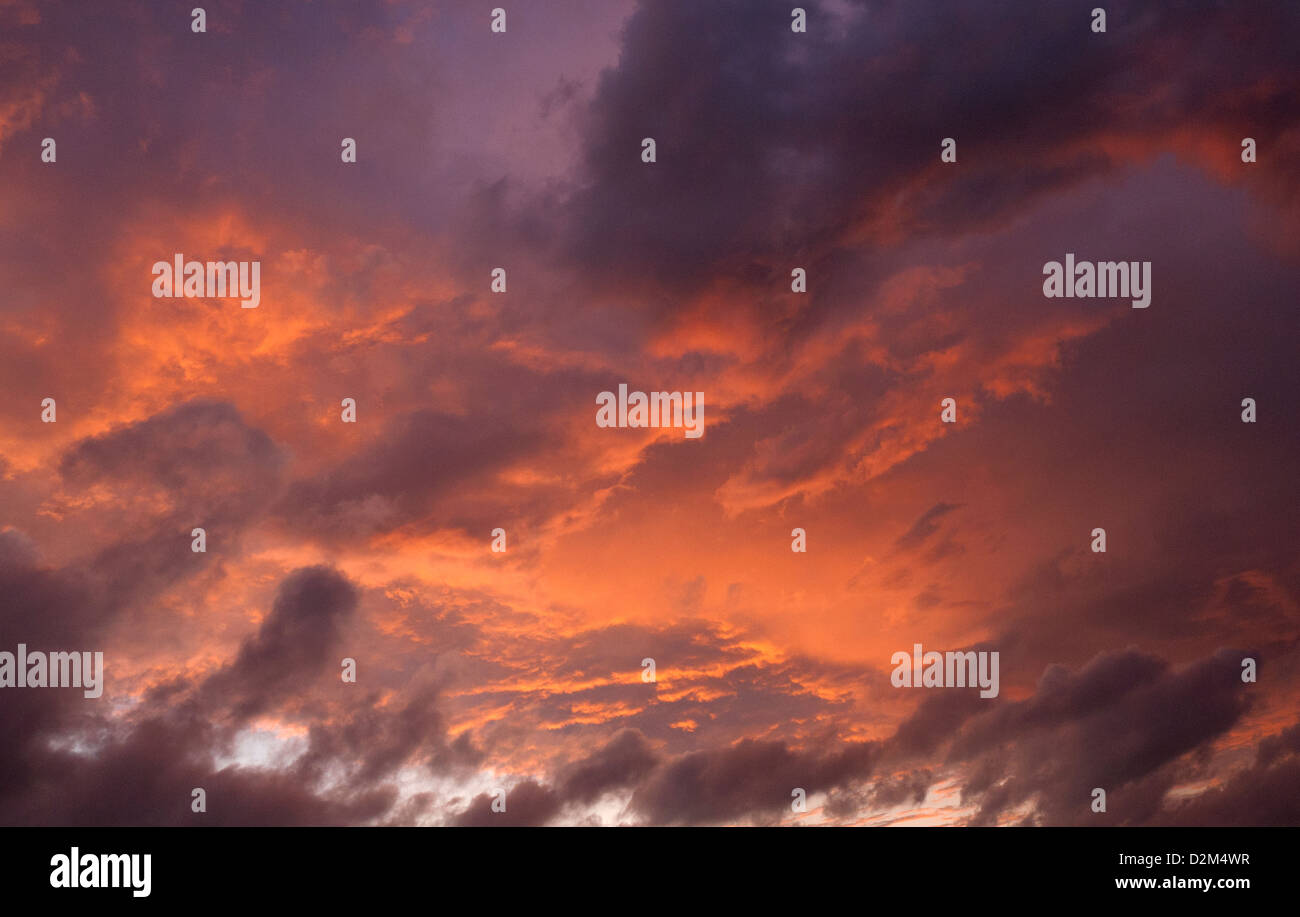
518 675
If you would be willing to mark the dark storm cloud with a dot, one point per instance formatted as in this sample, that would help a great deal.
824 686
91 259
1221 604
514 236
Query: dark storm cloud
1122 721
905 789
936 719
43 605
622 761
201 450
294 643
748 780
144 766
141 769
1266 793
49 610
751 779
527 804
1143 437
418 458
198 464
145 777
208 466
832 124
371 739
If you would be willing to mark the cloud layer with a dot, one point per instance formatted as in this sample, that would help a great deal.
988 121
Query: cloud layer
519 675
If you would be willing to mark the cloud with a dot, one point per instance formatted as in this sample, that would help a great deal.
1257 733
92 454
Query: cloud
526 804
925 526
751 779
1123 720
293 645
418 458
776 151
1265 794
625 759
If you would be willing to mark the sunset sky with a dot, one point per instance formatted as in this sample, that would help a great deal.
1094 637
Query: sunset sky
522 671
